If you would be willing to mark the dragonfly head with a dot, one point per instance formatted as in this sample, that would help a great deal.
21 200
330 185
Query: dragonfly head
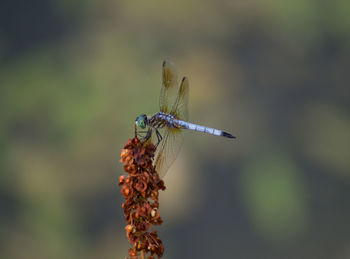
141 121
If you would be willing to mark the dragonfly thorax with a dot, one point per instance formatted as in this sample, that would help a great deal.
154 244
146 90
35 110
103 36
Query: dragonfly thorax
161 119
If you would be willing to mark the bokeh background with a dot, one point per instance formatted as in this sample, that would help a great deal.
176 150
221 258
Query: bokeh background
75 74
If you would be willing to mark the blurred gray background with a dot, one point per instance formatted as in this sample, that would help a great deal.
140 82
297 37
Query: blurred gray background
75 74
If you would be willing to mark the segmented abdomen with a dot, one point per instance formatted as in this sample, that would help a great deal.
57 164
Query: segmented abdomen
196 127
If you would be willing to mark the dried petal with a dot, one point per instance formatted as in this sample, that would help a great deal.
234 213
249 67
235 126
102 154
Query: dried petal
141 185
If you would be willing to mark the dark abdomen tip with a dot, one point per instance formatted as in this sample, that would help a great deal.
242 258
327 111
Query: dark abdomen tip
227 135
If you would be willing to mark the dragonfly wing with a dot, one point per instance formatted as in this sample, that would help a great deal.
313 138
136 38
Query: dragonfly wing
180 107
171 143
169 86
168 150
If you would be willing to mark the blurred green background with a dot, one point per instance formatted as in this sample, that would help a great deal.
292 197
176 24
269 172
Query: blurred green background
75 74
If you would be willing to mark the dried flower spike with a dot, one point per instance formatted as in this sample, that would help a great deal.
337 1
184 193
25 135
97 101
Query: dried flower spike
140 189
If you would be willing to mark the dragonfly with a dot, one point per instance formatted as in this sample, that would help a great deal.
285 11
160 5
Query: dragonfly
166 127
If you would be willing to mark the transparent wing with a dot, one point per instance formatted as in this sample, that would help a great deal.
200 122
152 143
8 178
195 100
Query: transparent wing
180 107
170 146
168 150
169 86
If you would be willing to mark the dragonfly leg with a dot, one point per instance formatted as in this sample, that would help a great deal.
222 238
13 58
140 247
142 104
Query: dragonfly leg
142 131
144 135
139 133
148 134
159 137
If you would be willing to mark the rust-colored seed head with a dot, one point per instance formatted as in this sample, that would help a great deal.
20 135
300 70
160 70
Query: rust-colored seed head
140 189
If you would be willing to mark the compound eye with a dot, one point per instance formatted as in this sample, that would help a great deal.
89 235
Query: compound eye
141 121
